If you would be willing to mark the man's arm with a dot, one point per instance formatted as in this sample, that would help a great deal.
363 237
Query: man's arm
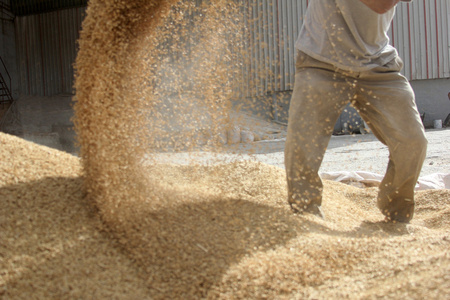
380 6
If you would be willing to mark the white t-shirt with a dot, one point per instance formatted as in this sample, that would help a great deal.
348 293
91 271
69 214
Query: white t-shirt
346 34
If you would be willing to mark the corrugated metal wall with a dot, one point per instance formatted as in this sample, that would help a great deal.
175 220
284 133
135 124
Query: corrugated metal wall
46 44
272 29
46 51
420 31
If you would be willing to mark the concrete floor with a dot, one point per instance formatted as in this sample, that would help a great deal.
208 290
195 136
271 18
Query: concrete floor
345 153
366 153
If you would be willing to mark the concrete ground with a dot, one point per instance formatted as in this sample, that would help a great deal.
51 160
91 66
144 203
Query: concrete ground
368 154
359 152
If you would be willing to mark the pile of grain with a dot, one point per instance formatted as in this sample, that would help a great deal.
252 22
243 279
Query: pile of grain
217 232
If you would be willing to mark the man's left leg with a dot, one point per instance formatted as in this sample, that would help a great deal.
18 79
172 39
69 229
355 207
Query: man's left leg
386 102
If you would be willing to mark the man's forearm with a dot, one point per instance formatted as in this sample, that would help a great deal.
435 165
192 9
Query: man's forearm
380 6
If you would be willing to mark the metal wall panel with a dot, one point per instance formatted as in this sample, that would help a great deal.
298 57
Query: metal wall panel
46 45
419 31
46 49
273 27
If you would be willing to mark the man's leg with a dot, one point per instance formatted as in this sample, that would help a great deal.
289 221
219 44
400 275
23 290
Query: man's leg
386 102
318 98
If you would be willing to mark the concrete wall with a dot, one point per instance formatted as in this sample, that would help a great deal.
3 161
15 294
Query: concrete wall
44 120
432 99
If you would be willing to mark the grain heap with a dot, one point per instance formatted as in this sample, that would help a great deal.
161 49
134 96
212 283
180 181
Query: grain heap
224 232
107 227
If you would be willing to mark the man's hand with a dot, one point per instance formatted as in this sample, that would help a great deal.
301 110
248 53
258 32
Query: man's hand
381 6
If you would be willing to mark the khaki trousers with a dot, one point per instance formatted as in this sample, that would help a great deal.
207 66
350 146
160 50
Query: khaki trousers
384 99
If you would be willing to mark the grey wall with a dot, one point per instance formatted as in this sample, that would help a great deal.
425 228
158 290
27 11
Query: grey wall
46 121
432 99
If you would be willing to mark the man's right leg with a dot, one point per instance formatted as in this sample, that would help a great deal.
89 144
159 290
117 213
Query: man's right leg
318 98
